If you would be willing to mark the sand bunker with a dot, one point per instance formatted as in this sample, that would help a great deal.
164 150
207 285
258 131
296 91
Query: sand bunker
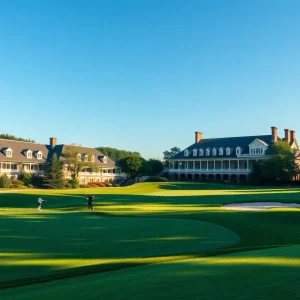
259 205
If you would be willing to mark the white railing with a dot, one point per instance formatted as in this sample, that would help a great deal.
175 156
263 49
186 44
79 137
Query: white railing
209 170
100 174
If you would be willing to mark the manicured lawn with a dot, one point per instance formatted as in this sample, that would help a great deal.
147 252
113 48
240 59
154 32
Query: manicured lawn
169 240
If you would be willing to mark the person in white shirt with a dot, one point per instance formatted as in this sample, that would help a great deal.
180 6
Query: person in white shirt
39 203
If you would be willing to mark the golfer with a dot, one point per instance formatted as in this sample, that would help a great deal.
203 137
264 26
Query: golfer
90 200
39 203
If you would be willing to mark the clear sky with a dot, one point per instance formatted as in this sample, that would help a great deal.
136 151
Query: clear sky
145 75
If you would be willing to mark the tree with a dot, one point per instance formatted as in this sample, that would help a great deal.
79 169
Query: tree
14 138
156 166
5 182
281 166
116 154
54 176
169 154
76 164
131 165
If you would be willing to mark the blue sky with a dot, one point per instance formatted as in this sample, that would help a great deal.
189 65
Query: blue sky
145 75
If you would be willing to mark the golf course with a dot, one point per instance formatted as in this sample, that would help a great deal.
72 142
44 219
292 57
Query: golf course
171 240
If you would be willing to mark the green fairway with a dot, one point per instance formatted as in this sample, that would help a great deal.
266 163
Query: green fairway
168 240
263 274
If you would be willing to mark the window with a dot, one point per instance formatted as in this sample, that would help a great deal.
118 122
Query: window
79 157
214 152
195 152
104 159
8 152
201 152
92 158
186 152
39 155
86 157
207 152
238 150
221 152
227 151
29 154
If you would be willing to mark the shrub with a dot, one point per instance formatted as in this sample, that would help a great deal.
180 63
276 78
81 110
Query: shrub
15 181
92 184
17 186
5 182
26 178
84 186
37 181
107 184
116 185
68 186
30 186
101 184
157 179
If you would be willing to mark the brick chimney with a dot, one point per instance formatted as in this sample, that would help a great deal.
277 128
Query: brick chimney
198 136
274 134
287 136
293 136
53 142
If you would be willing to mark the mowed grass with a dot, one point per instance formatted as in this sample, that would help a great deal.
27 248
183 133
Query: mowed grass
179 228
262 274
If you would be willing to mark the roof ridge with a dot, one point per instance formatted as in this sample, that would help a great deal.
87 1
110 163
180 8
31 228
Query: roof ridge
21 141
234 137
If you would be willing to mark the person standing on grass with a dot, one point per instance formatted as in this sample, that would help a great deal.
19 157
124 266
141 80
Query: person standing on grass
39 202
90 200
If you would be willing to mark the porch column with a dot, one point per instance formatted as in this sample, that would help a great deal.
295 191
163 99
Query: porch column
200 165
214 165
221 165
193 165
238 165
207 166
229 164
247 166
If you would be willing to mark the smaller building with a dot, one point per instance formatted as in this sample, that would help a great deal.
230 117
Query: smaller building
227 159
18 157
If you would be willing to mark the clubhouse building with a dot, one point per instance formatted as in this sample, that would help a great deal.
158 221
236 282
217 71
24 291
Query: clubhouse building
18 157
227 159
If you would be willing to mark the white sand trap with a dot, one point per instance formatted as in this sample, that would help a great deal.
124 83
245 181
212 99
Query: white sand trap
260 205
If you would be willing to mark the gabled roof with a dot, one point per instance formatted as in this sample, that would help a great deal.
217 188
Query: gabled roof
61 149
231 142
258 140
19 149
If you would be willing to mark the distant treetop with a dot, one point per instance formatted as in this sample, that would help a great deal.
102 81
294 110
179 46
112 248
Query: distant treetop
116 154
14 138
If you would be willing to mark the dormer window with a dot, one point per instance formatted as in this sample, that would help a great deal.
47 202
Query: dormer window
238 150
92 158
186 152
221 151
207 152
104 159
201 152
227 151
79 157
39 155
8 152
214 152
86 157
195 152
29 154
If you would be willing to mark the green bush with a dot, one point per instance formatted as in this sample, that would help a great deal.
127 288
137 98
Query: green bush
19 182
157 179
116 185
5 182
18 186
30 186
26 178
68 186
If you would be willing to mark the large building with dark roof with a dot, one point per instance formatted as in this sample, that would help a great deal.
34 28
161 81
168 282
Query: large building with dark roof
227 159
17 158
